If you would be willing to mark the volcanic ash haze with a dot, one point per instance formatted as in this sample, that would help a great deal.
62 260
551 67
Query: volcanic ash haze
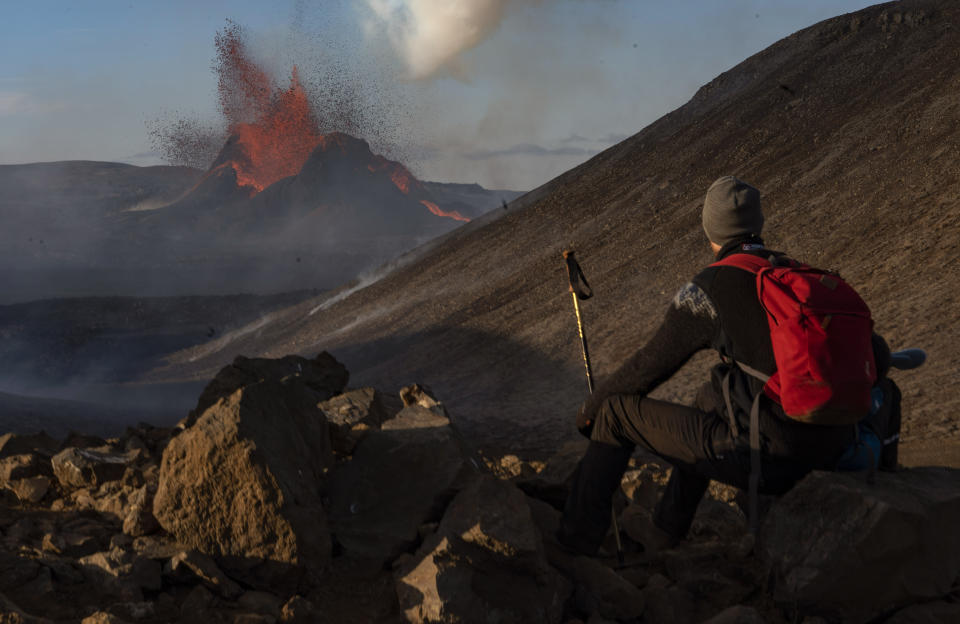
430 34
850 128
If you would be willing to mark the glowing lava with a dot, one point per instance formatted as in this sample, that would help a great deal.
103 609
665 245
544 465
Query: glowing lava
399 174
453 214
274 129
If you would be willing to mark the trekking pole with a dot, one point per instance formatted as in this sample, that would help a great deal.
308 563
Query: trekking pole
576 278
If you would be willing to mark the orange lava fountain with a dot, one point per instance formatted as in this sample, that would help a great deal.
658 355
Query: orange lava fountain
275 129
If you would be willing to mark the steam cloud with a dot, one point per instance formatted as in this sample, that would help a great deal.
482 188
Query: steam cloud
430 34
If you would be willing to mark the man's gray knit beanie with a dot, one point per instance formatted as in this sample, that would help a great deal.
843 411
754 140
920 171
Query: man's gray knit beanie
731 210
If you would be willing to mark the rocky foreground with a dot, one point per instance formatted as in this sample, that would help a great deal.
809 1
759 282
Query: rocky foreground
285 497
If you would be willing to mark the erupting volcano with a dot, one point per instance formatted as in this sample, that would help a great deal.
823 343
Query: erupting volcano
273 130
287 199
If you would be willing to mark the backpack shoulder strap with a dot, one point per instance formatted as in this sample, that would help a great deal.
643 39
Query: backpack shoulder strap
745 261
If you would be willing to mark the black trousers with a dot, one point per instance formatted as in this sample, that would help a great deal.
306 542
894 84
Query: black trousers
698 442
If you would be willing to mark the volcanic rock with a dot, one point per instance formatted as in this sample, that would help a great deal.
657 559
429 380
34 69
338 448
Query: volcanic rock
85 468
261 602
424 397
243 482
30 489
22 466
197 602
70 544
103 617
27 475
666 602
126 567
705 571
354 413
485 560
561 464
346 191
63 571
113 498
737 615
298 610
644 484
323 374
12 614
15 444
187 565
601 590
41 585
139 519
254 618
83 441
939 612
845 548
398 478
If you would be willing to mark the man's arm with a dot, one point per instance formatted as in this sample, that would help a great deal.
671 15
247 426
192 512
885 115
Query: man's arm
690 324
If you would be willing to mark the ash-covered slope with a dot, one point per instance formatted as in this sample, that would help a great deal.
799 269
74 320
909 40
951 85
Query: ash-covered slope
851 129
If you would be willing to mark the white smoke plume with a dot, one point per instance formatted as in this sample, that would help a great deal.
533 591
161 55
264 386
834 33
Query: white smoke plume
430 34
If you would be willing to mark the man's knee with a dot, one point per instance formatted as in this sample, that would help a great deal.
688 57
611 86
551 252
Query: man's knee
608 426
706 398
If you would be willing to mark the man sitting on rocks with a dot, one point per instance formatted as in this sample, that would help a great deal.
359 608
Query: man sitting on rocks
719 308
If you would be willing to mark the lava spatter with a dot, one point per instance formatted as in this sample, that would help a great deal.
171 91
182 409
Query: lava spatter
273 129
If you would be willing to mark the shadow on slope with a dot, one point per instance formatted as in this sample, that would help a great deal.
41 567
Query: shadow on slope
475 374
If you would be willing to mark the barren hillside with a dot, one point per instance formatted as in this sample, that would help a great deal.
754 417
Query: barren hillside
850 128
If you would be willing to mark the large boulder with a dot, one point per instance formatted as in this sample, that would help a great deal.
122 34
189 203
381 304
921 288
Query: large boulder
846 549
17 444
87 468
27 475
243 483
485 563
399 478
355 413
323 374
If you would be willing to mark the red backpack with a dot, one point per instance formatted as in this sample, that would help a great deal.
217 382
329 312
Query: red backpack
820 330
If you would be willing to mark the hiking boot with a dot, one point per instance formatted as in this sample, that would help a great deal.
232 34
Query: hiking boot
637 524
586 515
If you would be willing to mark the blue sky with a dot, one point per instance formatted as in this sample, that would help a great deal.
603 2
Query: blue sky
549 85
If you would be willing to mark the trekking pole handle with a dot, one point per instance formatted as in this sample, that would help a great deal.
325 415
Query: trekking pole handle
576 277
